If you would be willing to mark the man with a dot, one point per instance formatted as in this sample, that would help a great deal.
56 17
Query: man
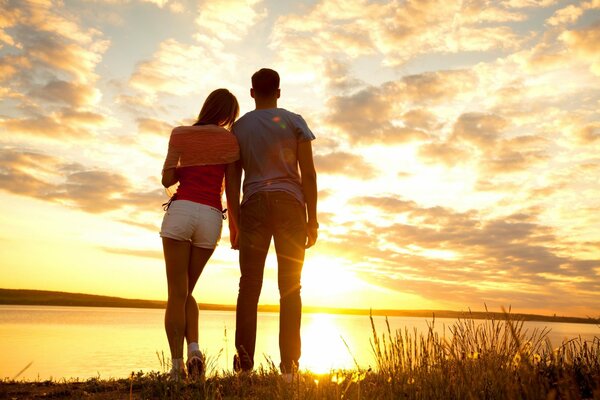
280 202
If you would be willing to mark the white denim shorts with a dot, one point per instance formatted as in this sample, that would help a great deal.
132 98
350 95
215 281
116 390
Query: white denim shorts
194 222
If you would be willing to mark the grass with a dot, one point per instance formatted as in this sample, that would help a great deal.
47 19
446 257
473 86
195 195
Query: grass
490 359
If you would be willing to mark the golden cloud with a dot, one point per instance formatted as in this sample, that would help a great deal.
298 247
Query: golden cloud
438 248
566 15
154 126
181 69
585 43
50 70
71 93
61 124
51 179
228 20
400 31
344 163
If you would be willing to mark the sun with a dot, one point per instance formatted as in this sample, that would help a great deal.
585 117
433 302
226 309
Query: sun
328 281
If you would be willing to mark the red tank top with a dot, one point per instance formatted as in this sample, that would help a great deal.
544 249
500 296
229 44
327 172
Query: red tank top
201 184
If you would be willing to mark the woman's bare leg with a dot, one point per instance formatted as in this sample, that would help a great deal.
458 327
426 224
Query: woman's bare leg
198 259
177 258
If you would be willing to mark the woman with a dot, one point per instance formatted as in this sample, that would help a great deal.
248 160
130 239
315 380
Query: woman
199 157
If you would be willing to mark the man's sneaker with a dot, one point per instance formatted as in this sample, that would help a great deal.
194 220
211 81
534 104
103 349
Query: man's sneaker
242 362
288 377
195 365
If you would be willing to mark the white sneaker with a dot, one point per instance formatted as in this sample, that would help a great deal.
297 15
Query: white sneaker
177 373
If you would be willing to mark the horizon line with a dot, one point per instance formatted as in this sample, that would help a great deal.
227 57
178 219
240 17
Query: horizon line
76 299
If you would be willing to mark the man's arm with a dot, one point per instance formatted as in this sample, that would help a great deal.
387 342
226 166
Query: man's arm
233 183
309 188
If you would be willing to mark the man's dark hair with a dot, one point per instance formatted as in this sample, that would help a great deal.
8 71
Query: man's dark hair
265 82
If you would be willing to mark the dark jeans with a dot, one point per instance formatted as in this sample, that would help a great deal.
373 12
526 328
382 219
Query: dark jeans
279 215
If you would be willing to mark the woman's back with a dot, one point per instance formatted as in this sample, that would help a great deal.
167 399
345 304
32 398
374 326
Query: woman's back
201 184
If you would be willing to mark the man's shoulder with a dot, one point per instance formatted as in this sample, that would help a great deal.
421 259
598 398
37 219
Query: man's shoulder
290 113
244 119
254 117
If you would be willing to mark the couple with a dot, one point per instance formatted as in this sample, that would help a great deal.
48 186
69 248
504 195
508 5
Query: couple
273 147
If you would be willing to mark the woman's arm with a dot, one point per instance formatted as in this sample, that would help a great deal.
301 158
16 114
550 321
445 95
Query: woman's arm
169 177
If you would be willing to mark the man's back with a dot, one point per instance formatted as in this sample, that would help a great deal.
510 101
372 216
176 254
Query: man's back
268 141
279 204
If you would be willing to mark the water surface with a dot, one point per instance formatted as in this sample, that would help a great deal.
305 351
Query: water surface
84 342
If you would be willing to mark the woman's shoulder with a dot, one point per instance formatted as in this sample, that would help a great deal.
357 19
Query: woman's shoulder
198 131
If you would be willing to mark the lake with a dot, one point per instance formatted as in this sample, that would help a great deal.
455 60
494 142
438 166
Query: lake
84 342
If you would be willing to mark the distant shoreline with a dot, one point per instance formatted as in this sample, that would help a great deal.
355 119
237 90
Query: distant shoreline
50 298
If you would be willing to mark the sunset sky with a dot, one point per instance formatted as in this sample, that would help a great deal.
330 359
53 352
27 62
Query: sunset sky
457 150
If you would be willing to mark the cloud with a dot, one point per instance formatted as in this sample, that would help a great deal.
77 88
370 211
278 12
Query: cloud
338 77
399 31
390 205
56 125
528 3
50 38
92 191
589 133
566 15
11 66
228 20
343 163
364 114
467 253
69 93
586 44
181 69
564 49
303 43
438 86
480 138
154 126
481 11
369 114
444 153
516 155
51 179
137 104
479 129
419 118
49 62
15 178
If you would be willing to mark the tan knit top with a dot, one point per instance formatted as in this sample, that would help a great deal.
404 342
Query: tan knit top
201 145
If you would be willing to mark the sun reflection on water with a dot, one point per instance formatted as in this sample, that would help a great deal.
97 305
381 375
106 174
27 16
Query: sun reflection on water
323 348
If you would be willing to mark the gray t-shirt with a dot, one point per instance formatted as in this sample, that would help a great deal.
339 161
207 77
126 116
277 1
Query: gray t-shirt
268 142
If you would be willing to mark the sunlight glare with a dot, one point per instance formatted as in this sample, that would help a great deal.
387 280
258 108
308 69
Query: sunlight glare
328 279
322 346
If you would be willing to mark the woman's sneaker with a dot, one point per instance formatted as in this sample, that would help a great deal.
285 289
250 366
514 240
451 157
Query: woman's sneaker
195 365
177 373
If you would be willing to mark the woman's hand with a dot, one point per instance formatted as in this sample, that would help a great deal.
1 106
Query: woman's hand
169 177
234 236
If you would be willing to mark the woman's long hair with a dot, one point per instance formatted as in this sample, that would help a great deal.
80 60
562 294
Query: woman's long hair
220 108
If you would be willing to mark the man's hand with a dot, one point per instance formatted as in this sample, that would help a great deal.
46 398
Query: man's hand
312 233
